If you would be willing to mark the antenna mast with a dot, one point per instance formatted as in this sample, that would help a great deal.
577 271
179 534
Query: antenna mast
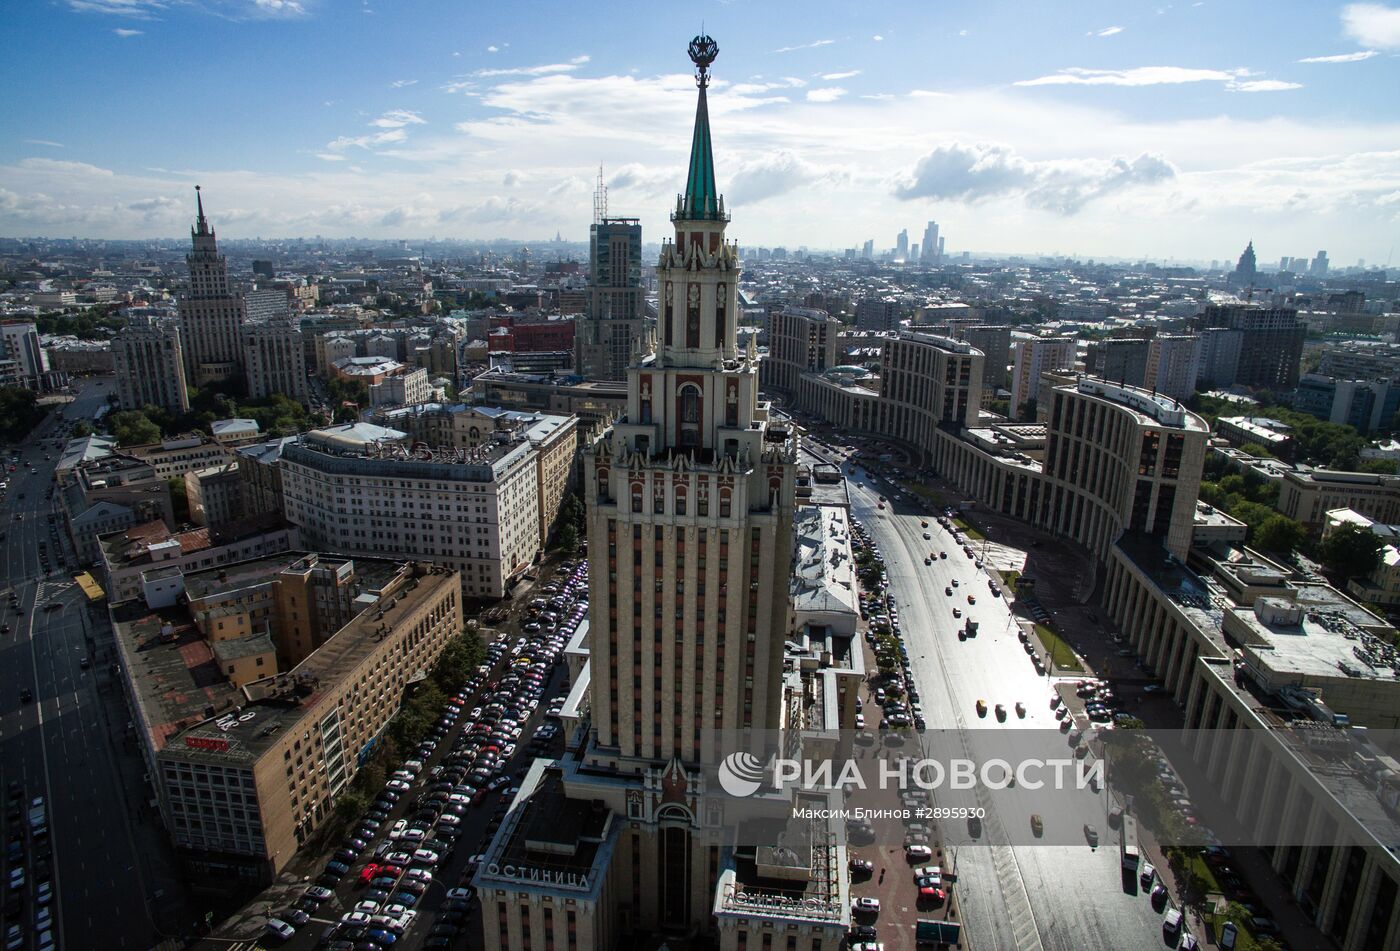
600 199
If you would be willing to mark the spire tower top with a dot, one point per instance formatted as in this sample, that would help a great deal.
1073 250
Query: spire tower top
701 200
201 223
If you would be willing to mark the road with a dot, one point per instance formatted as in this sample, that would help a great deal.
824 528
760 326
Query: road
1015 897
57 745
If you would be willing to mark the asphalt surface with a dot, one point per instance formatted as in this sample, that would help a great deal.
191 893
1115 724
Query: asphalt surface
1021 897
58 745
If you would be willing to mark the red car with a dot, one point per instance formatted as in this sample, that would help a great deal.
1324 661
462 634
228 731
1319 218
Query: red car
368 872
930 893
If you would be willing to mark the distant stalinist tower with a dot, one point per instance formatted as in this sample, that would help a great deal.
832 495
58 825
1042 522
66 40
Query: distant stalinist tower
211 315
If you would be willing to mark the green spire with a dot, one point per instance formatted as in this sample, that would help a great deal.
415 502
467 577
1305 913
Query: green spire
701 194
701 200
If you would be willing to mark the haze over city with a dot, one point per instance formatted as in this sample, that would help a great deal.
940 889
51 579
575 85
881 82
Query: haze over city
1155 130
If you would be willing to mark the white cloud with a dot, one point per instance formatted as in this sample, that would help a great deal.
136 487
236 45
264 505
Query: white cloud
877 38
1263 85
962 33
976 173
330 157
1138 76
928 94
771 175
124 33
457 86
280 8
828 94
1233 79
1341 57
401 83
140 9
493 49
48 142
1107 31
545 70
804 46
1372 24
832 77
397 119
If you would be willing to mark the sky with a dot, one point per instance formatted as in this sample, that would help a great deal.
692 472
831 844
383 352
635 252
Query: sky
1169 131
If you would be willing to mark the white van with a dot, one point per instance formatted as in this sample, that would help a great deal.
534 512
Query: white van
1171 924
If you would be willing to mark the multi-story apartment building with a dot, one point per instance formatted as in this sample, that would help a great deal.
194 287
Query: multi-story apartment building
690 500
800 340
361 489
1308 495
460 426
149 361
215 495
1220 357
274 360
1365 404
995 343
147 551
211 312
1034 357
21 344
259 469
1122 360
407 390
928 382
253 695
172 458
877 314
1270 345
1273 675
113 492
1173 363
614 331
1118 459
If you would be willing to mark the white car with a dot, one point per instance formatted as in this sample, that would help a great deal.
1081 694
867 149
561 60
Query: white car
928 871
397 785
367 907
426 857
419 875
414 835
868 905
279 929
460 893
398 829
354 919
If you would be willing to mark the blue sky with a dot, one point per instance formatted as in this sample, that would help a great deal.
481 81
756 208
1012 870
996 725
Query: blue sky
1164 130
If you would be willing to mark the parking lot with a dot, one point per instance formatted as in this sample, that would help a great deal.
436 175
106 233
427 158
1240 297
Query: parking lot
400 877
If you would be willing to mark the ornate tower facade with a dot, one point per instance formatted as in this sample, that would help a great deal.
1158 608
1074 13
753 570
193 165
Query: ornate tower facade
690 506
211 315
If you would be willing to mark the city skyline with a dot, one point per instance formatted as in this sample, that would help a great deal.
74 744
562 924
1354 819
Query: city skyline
1183 144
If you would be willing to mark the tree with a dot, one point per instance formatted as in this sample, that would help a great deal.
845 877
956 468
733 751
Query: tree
81 429
133 428
19 412
1378 466
567 539
1279 533
1350 551
1255 449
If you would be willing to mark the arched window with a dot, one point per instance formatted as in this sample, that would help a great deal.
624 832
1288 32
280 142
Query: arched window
690 404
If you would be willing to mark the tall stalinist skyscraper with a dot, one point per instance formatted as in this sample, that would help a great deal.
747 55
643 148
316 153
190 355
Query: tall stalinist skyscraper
690 504
697 487
211 315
